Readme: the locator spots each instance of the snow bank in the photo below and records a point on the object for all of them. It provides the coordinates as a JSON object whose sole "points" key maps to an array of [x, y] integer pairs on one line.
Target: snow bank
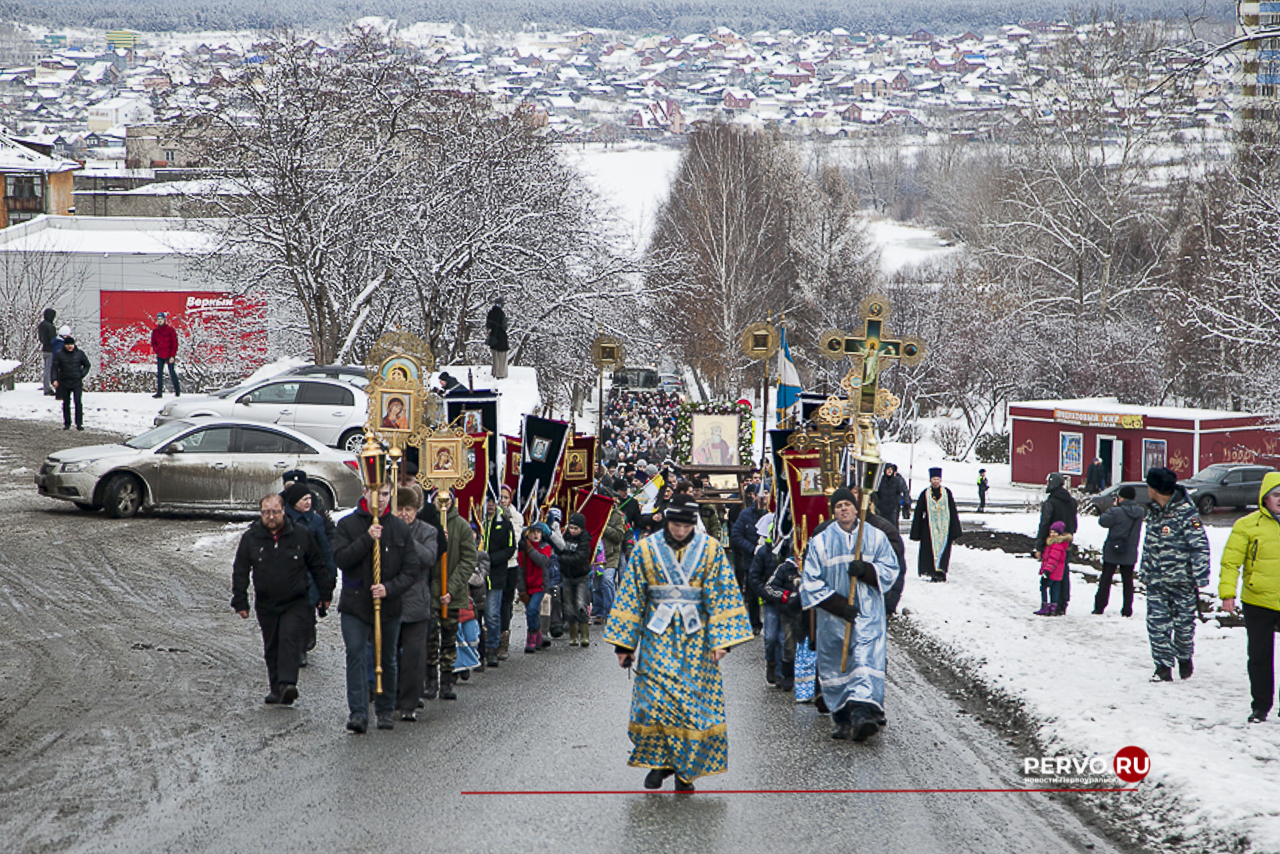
{"points": [[1084, 679]]}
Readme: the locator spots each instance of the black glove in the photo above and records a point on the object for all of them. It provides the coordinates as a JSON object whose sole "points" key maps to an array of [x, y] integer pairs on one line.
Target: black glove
{"points": [[850, 612], [322, 612], [861, 570]]}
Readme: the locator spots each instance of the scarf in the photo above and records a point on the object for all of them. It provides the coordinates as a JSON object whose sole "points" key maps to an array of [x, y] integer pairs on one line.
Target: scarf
{"points": [[939, 524]]}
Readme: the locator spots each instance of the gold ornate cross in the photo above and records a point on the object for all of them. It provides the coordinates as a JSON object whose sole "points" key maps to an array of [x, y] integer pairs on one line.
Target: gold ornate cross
{"points": [[870, 352]]}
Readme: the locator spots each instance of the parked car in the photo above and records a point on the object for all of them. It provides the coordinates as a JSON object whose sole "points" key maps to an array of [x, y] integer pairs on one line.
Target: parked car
{"points": [[353, 374], [331, 411], [197, 464], [1098, 503], [1225, 485], [637, 378]]}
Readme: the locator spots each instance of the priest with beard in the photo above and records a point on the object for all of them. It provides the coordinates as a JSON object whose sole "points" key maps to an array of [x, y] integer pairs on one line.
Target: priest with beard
{"points": [[935, 526], [676, 614]]}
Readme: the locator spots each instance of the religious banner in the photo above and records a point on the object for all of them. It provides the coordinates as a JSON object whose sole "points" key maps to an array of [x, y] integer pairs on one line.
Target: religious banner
{"points": [[714, 434], [542, 446], [511, 463], [596, 508], [475, 413], [576, 470], [777, 444], [807, 500], [470, 497]]}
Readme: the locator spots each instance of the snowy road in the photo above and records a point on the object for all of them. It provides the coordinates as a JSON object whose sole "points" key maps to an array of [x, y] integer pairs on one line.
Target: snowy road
{"points": [[131, 720]]}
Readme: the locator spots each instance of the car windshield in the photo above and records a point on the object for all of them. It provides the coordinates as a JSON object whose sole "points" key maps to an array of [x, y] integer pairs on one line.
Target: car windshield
{"points": [[157, 437], [1212, 473]]}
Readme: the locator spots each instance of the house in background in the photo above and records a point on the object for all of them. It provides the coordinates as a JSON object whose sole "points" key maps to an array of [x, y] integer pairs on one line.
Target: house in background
{"points": [[34, 182]]}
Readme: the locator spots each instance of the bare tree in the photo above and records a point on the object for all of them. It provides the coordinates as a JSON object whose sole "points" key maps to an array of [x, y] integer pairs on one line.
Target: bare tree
{"points": [[30, 281]]}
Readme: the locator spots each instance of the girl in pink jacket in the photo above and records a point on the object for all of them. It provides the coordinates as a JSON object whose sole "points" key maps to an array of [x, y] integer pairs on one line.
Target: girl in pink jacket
{"points": [[1052, 564]]}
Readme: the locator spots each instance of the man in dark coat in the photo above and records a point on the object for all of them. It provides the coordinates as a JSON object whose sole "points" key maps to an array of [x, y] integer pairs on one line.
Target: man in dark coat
{"points": [[357, 536], [283, 559], [936, 525], [498, 538], [744, 539], [46, 332], [1123, 521], [889, 495], [1095, 477], [418, 608], [495, 323], [70, 367], [1058, 506]]}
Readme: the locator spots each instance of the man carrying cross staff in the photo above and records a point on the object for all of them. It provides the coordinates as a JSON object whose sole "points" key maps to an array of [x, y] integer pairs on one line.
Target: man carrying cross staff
{"points": [[846, 569]]}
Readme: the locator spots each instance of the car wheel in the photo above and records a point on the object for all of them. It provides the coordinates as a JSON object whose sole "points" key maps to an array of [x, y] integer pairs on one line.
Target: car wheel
{"points": [[352, 441], [123, 496], [87, 507], [1205, 504]]}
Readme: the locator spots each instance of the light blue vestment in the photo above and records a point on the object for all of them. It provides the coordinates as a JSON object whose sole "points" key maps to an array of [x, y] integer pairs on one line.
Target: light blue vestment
{"points": [[826, 572]]}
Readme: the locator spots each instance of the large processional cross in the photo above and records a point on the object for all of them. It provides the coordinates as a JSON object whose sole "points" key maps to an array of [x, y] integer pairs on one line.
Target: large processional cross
{"points": [[872, 353]]}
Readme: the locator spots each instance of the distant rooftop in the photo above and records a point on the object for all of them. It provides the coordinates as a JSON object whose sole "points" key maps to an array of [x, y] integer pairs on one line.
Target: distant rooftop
{"points": [[15, 157], [106, 235]]}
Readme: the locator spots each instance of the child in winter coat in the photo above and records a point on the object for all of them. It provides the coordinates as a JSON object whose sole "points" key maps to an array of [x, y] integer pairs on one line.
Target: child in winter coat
{"points": [[1052, 564], [533, 557]]}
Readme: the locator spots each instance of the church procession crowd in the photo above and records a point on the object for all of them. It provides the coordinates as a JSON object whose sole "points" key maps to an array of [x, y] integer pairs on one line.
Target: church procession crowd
{"points": [[675, 585]]}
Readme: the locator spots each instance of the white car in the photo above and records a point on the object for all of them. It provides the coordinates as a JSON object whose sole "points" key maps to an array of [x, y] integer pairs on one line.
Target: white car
{"points": [[331, 411], [197, 464]]}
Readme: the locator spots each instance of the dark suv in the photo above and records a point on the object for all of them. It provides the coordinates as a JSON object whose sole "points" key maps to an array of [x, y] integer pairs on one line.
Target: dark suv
{"points": [[1225, 485]]}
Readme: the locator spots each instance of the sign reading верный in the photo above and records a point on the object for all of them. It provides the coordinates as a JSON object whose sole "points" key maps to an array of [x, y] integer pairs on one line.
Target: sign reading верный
{"points": [[1098, 419]]}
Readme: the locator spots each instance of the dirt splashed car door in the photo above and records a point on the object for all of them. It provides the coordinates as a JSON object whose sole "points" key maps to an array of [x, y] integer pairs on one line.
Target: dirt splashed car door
{"points": [[261, 458], [194, 469]]}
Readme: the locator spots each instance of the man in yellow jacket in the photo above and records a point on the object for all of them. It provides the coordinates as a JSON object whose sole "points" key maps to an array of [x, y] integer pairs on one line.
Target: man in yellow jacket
{"points": [[1255, 545]]}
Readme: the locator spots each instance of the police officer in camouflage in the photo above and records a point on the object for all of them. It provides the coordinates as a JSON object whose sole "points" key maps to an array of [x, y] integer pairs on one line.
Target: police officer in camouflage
{"points": [[1175, 564]]}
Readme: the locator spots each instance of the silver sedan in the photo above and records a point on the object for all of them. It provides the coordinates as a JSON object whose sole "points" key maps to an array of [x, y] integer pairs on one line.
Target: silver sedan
{"points": [[197, 464]]}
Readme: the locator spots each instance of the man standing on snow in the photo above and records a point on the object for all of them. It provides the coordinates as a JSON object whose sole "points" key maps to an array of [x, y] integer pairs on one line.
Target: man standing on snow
{"points": [[164, 343], [496, 324], [936, 525], [1175, 564], [46, 332]]}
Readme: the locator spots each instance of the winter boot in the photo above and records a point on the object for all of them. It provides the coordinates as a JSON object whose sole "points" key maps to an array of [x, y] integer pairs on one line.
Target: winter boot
{"points": [[1044, 610], [433, 683], [531, 643], [1184, 668], [504, 643], [573, 634], [787, 676], [1162, 674], [584, 635], [491, 657], [542, 640], [771, 673], [446, 685]]}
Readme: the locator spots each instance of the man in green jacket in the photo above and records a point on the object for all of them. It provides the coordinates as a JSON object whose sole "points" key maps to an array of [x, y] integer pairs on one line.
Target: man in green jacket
{"points": [[442, 642], [1255, 545]]}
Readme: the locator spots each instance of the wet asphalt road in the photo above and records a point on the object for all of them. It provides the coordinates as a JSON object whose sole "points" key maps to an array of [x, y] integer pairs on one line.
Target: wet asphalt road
{"points": [[131, 720]]}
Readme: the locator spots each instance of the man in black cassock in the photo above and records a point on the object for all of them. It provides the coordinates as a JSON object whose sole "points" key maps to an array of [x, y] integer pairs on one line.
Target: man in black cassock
{"points": [[936, 525], [496, 324]]}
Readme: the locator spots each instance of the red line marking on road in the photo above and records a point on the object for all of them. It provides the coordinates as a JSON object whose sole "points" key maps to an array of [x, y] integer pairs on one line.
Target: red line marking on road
{"points": [[799, 791]]}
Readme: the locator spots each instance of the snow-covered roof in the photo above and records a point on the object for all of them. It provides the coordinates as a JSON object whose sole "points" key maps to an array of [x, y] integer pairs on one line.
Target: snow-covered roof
{"points": [[18, 158], [106, 235], [1112, 406]]}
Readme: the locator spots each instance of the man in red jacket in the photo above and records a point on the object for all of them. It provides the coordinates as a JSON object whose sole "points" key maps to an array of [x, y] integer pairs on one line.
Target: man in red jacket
{"points": [[164, 341]]}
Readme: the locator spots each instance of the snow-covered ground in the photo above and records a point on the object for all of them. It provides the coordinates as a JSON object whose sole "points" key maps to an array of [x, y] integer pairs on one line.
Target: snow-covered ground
{"points": [[633, 178]]}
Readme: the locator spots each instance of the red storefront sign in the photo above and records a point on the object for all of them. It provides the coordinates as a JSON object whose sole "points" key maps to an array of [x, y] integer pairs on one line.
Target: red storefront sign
{"points": [[217, 325]]}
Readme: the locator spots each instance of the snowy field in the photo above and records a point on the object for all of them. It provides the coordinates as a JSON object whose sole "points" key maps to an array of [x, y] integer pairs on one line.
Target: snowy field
{"points": [[1081, 678]]}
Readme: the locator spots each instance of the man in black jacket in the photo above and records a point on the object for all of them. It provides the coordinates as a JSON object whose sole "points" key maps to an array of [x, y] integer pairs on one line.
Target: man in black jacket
{"points": [[1058, 506], [744, 538], [499, 540], [46, 332], [281, 557], [70, 367], [890, 495], [357, 536], [574, 552]]}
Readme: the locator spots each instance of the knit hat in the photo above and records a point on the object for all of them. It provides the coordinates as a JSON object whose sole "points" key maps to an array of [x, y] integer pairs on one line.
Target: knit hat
{"points": [[682, 508], [844, 493], [1128, 493], [1054, 481], [578, 519], [1058, 527], [295, 493], [160, 314], [64, 330], [68, 340], [935, 472], [1162, 480]]}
